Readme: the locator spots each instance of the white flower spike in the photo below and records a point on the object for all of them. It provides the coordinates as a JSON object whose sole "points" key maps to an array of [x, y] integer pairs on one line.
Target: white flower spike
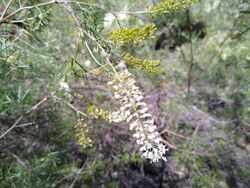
{"points": [[135, 112]]}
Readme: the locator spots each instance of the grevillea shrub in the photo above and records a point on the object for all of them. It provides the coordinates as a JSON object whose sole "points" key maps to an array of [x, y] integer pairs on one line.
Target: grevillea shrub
{"points": [[107, 49]]}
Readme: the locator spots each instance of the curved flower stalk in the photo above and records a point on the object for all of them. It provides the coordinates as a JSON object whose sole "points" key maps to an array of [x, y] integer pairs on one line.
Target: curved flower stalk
{"points": [[169, 5], [135, 112]]}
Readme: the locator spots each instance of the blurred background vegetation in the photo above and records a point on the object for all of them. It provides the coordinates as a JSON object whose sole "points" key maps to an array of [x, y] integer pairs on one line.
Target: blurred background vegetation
{"points": [[49, 82]]}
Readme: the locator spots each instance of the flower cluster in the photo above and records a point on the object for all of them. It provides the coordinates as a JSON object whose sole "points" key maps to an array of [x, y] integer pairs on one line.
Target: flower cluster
{"points": [[147, 65], [169, 5], [132, 35], [135, 112], [98, 113], [82, 137]]}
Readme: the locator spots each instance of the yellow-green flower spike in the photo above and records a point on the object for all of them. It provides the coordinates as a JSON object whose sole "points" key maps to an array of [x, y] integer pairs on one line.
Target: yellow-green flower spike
{"points": [[98, 113], [167, 6], [147, 65], [132, 35]]}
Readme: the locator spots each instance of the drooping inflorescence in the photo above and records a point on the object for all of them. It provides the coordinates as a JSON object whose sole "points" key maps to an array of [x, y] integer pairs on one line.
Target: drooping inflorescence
{"points": [[147, 65], [167, 6], [132, 35], [82, 135], [135, 112]]}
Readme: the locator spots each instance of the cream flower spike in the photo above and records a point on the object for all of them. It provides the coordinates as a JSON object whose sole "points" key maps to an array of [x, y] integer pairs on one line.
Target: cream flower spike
{"points": [[134, 111]]}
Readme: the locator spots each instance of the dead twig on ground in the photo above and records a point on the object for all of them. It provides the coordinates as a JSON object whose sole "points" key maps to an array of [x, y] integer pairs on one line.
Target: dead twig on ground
{"points": [[170, 145], [173, 133]]}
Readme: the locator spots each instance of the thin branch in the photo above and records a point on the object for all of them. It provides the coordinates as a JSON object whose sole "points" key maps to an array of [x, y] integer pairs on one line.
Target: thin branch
{"points": [[26, 124], [83, 32], [4, 19], [191, 62], [70, 105], [135, 12], [22, 116], [78, 174], [170, 145], [18, 159], [196, 130], [212, 119], [173, 133], [6, 9], [92, 55]]}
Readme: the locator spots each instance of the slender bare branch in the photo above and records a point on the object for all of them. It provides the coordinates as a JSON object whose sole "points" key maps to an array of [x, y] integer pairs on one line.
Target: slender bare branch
{"points": [[78, 174], [70, 105], [22, 116], [170, 145], [4, 19], [6, 9], [18, 159], [173, 133]]}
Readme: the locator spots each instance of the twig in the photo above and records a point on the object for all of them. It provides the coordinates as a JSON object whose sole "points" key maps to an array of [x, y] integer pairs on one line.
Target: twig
{"points": [[78, 174], [4, 19], [18, 159], [22, 116], [196, 130], [191, 62], [26, 124], [173, 133], [82, 32], [170, 145], [70, 105], [208, 116], [6, 9]]}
